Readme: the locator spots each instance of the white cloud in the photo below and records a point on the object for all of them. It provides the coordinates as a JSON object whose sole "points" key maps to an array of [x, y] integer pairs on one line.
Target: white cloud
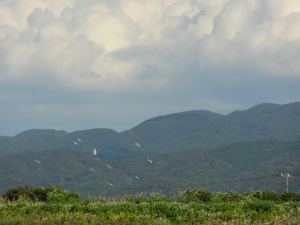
{"points": [[65, 39]]}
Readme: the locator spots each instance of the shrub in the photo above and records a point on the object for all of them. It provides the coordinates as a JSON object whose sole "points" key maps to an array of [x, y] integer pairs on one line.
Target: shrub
{"points": [[270, 195], [51, 194], [290, 196], [231, 197], [15, 193], [260, 206], [57, 195], [202, 195], [159, 198]]}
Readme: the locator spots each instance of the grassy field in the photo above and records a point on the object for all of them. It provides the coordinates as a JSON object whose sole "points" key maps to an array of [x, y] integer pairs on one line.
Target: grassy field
{"points": [[191, 207]]}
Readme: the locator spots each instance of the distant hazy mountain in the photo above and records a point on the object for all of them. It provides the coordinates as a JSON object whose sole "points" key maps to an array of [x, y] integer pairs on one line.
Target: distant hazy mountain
{"points": [[168, 173], [170, 133]]}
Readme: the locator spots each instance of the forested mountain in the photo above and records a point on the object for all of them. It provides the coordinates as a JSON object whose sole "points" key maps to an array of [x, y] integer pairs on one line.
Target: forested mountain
{"points": [[34, 133], [170, 133], [167, 174]]}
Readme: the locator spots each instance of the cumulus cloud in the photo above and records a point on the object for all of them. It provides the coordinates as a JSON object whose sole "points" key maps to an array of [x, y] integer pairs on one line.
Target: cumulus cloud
{"points": [[111, 44], [126, 46]]}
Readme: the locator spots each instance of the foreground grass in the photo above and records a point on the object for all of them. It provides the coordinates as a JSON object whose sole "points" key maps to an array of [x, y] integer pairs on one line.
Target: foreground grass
{"points": [[129, 218], [54, 206], [165, 212]]}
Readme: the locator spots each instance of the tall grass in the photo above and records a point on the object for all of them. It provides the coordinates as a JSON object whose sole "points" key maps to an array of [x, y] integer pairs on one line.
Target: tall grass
{"points": [[192, 207]]}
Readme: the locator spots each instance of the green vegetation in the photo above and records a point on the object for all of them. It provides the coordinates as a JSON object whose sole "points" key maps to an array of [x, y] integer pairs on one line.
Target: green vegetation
{"points": [[167, 174], [192, 207], [247, 155], [51, 194]]}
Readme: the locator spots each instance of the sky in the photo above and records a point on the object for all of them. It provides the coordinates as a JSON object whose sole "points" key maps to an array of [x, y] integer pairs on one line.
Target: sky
{"points": [[82, 64]]}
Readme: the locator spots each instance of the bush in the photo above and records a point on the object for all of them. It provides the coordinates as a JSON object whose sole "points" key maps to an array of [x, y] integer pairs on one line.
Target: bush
{"points": [[260, 206], [289, 196], [231, 197], [202, 195], [15, 193], [160, 198], [270, 195], [51, 194], [57, 195]]}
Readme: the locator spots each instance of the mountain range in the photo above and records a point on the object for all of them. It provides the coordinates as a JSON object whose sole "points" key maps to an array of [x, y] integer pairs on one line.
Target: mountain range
{"points": [[194, 149]]}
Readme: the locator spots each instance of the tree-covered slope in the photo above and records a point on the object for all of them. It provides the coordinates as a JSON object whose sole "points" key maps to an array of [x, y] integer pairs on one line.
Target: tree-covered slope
{"points": [[267, 120], [210, 130], [248, 155], [68, 168], [168, 173]]}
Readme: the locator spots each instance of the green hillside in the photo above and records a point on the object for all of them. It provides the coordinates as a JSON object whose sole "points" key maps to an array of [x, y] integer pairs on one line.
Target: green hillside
{"points": [[270, 120], [170, 133], [167, 174], [33, 133], [67, 168], [248, 155], [210, 130]]}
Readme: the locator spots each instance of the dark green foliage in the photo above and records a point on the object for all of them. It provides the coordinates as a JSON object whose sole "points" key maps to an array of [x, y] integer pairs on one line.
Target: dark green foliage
{"points": [[51, 194], [201, 195], [229, 197], [289, 196], [169, 173], [266, 196], [14, 193], [260, 206], [57, 195], [160, 198], [269, 195], [247, 155]]}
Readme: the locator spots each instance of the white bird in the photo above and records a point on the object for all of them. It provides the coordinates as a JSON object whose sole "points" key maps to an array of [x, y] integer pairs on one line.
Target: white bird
{"points": [[137, 144], [110, 184], [97, 158], [37, 161], [92, 170], [75, 143], [136, 177], [108, 166], [149, 160], [79, 140]]}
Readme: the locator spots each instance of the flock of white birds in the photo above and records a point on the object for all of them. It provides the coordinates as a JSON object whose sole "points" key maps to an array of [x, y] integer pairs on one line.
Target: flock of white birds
{"points": [[137, 144]]}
